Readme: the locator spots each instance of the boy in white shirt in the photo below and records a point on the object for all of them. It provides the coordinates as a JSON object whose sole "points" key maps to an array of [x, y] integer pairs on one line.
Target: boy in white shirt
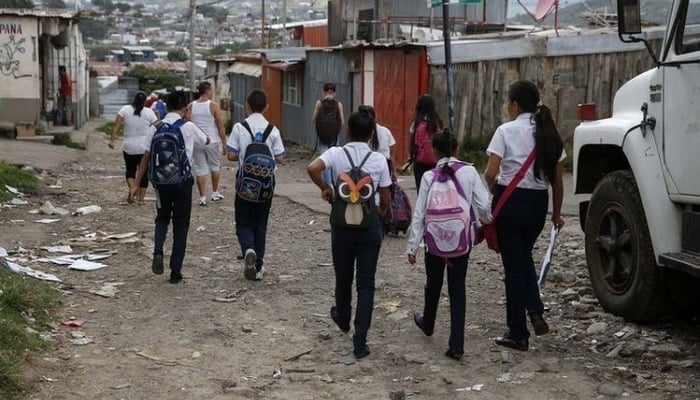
{"points": [[252, 214]]}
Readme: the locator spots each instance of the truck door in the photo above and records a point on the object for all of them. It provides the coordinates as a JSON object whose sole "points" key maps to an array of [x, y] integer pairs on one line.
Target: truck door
{"points": [[681, 97]]}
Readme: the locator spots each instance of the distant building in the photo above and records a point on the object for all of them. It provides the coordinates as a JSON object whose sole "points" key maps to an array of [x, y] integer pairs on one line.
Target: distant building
{"points": [[134, 54]]}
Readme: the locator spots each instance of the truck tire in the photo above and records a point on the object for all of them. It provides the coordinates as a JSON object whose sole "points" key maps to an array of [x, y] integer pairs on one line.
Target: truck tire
{"points": [[621, 262]]}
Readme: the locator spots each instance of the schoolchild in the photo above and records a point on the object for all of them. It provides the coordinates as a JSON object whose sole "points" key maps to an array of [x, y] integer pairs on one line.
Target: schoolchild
{"points": [[359, 198], [253, 193], [467, 187], [173, 202], [426, 122], [531, 137]]}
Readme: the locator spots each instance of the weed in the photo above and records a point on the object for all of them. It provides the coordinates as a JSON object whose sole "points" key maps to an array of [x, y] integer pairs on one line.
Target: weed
{"points": [[26, 306], [65, 140], [474, 151], [107, 129], [15, 177]]}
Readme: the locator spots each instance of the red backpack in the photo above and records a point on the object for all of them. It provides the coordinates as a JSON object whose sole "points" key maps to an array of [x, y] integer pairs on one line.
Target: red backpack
{"points": [[423, 142]]}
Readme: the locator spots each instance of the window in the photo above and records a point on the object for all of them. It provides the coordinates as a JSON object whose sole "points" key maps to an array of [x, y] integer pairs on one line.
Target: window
{"points": [[690, 18], [292, 88]]}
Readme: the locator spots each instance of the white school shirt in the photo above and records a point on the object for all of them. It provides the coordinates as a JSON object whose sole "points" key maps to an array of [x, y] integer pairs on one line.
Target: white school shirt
{"points": [[192, 135], [336, 160], [473, 187], [513, 142], [202, 117], [386, 140], [135, 128], [240, 137]]}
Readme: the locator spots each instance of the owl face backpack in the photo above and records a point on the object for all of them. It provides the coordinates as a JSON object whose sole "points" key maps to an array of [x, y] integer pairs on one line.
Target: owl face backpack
{"points": [[353, 204]]}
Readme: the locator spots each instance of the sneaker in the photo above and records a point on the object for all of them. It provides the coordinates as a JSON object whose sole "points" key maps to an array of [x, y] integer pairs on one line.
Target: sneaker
{"points": [[216, 196], [361, 351], [249, 271], [175, 278], [259, 274], [507, 341], [157, 265], [203, 201]]}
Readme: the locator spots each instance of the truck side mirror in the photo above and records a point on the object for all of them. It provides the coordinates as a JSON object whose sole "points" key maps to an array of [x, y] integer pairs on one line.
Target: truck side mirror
{"points": [[629, 21]]}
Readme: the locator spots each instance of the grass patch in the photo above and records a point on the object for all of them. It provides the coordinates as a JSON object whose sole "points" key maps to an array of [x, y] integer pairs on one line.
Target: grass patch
{"points": [[18, 178], [27, 305], [107, 129], [65, 140], [474, 151]]}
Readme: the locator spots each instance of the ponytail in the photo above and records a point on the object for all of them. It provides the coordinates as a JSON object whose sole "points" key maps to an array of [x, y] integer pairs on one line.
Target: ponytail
{"points": [[138, 103]]}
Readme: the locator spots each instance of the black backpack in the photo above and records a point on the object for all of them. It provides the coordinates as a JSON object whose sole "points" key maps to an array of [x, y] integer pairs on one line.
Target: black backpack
{"points": [[169, 167], [256, 177], [328, 122], [353, 201]]}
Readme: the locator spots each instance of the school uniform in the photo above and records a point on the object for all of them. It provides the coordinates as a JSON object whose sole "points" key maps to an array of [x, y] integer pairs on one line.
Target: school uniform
{"points": [[520, 221], [478, 198], [356, 247], [175, 204], [252, 217]]}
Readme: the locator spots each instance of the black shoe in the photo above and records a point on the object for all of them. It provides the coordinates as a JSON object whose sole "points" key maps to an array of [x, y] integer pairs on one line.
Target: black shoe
{"points": [[345, 327], [454, 354], [157, 265], [175, 278], [539, 324], [418, 319], [361, 351], [515, 344]]}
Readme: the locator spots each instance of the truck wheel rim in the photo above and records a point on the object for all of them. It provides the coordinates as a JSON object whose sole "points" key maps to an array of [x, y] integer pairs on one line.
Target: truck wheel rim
{"points": [[614, 244]]}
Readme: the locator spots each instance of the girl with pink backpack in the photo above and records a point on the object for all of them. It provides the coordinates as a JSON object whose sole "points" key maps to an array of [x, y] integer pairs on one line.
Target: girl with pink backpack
{"points": [[445, 219], [425, 124]]}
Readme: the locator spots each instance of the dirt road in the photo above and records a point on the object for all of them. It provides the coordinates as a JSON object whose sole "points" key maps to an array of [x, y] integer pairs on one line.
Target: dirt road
{"points": [[218, 336]]}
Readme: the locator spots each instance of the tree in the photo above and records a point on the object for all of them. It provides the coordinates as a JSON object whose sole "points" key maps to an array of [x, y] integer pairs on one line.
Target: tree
{"points": [[108, 6], [55, 4], [95, 29], [16, 4], [229, 48], [177, 55], [123, 7], [153, 79], [218, 14]]}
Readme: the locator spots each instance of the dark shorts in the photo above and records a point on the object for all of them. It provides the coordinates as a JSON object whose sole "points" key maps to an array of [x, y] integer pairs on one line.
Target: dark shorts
{"points": [[132, 162]]}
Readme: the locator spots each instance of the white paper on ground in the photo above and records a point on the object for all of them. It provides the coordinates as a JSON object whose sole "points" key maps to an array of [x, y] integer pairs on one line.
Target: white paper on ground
{"points": [[121, 235], [87, 210], [18, 269], [18, 202], [47, 220], [12, 190], [3, 252], [85, 265], [58, 249]]}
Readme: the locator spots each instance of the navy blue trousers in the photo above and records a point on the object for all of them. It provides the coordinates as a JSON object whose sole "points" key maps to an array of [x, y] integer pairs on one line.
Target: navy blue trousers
{"points": [[175, 205], [518, 226], [355, 253], [251, 227], [456, 276]]}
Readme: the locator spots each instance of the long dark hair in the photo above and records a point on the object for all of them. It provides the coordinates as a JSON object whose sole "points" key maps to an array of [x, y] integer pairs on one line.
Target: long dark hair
{"points": [[369, 110], [425, 110], [548, 143], [138, 103], [445, 144], [361, 125]]}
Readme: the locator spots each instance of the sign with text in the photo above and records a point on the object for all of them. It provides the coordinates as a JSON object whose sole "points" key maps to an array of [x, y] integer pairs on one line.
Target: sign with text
{"points": [[438, 3]]}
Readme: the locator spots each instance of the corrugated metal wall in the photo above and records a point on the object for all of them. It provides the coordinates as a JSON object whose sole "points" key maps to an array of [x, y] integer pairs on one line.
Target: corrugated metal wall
{"points": [[241, 85], [316, 36]]}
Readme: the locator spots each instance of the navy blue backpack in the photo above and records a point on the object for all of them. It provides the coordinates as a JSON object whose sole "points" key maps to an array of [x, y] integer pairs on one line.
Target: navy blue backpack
{"points": [[169, 167]]}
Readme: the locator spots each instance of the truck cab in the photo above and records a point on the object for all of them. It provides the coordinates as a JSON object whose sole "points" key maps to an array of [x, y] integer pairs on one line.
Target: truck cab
{"points": [[637, 177]]}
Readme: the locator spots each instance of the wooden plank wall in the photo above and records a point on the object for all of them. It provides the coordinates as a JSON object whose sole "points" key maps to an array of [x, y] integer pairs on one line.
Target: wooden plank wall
{"points": [[564, 82]]}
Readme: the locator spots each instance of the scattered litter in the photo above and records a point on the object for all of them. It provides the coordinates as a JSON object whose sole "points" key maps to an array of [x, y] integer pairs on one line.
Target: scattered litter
{"points": [[50, 209], [81, 341], [34, 211], [161, 361], [121, 236], [312, 222], [17, 221], [474, 388], [222, 247], [13, 190], [122, 386], [323, 264], [47, 379], [58, 249], [73, 323], [18, 269], [97, 257], [389, 306], [57, 185], [3, 252], [87, 210], [297, 356], [277, 374], [47, 221], [224, 299], [18, 202], [201, 228], [85, 265], [196, 354], [108, 290]]}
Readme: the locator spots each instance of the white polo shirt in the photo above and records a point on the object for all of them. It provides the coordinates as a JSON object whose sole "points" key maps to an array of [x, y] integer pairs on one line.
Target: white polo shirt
{"points": [[386, 140], [136, 127], [514, 141], [240, 137], [190, 133], [336, 160]]}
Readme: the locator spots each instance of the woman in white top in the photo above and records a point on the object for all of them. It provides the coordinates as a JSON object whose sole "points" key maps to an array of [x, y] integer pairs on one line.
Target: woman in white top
{"points": [[137, 120], [382, 140], [477, 197], [523, 215]]}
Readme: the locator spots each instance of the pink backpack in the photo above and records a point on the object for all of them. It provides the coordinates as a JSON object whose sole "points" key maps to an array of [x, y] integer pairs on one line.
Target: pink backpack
{"points": [[449, 219], [423, 140]]}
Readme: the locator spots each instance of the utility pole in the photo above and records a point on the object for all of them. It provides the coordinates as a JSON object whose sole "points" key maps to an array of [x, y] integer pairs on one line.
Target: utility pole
{"points": [[448, 64], [193, 10], [284, 23], [262, 35]]}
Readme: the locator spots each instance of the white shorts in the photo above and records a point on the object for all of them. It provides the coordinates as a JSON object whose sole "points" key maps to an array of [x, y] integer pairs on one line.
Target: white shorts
{"points": [[206, 159]]}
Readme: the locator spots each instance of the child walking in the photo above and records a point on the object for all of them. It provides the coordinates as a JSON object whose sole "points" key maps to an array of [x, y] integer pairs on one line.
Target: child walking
{"points": [[473, 193], [358, 174], [257, 146]]}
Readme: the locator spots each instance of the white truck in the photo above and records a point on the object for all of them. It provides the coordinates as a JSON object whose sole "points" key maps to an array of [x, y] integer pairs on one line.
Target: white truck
{"points": [[637, 177]]}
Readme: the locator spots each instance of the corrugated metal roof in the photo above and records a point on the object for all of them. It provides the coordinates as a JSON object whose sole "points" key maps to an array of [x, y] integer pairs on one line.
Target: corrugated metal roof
{"points": [[104, 68], [138, 48], [40, 13], [248, 69], [175, 66], [316, 22], [287, 54]]}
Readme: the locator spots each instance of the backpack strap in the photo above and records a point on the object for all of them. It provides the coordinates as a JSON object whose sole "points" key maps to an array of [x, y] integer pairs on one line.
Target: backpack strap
{"points": [[352, 164], [514, 183], [266, 134], [247, 127]]}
